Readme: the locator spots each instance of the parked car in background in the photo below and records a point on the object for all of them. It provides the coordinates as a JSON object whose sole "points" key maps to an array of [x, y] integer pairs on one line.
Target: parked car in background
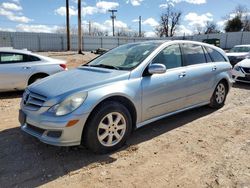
{"points": [[100, 103], [238, 53], [20, 68], [241, 71]]}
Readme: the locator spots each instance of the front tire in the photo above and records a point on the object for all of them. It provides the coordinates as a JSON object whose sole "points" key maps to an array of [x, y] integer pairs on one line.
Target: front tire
{"points": [[108, 128], [219, 96]]}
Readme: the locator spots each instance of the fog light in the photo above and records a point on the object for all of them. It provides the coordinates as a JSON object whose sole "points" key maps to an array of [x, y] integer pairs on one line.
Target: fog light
{"points": [[54, 134], [72, 123]]}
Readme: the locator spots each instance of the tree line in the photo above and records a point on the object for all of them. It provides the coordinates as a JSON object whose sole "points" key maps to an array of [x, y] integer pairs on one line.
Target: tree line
{"points": [[237, 20]]}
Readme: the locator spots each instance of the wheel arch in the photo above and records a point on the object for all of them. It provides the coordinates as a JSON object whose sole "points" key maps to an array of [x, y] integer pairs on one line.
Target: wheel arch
{"points": [[224, 80], [117, 98], [37, 75]]}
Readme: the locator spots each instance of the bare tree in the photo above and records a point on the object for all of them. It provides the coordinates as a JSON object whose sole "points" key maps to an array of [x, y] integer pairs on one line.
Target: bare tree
{"points": [[128, 32], [211, 27], [168, 23], [198, 28], [62, 30], [95, 31]]}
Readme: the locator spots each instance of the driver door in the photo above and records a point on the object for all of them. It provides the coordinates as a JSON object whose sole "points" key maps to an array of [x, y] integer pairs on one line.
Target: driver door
{"points": [[165, 93]]}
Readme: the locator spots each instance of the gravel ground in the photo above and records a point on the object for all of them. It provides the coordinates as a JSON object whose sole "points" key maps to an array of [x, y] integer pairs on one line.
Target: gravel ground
{"points": [[197, 148]]}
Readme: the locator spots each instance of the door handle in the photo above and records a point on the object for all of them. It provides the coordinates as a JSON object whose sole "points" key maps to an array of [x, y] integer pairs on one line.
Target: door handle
{"points": [[26, 68], [183, 74], [214, 68]]}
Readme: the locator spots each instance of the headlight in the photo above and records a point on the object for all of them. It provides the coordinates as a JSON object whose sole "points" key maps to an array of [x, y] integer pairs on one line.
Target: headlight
{"points": [[237, 67], [70, 104]]}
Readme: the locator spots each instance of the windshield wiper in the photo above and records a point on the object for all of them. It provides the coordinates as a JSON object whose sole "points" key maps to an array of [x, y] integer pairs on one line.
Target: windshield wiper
{"points": [[104, 66]]}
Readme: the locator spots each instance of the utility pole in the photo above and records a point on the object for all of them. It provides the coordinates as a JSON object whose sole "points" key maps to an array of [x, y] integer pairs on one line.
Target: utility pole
{"points": [[67, 25], [79, 27], [113, 20], [89, 28], [139, 26]]}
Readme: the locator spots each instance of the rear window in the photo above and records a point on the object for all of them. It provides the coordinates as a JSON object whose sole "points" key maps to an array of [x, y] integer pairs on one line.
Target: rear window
{"points": [[215, 55]]}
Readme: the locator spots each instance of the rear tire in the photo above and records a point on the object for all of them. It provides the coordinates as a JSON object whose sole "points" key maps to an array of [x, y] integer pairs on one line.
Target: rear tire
{"points": [[108, 128], [219, 96], [36, 78]]}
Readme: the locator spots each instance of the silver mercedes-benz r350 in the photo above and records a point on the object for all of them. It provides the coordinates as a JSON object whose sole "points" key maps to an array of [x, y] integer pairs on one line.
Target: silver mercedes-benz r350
{"points": [[100, 103]]}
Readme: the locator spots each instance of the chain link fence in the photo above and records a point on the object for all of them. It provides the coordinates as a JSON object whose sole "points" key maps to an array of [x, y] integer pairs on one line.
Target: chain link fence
{"points": [[57, 42]]}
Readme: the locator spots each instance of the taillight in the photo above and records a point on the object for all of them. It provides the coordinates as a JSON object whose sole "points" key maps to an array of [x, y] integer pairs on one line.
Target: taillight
{"points": [[64, 66]]}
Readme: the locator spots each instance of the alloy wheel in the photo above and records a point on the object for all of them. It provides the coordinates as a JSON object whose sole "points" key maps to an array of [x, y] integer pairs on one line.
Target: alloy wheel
{"points": [[111, 129], [220, 93]]}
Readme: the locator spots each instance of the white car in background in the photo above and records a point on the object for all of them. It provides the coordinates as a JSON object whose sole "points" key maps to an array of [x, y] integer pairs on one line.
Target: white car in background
{"points": [[20, 68], [238, 53], [241, 71]]}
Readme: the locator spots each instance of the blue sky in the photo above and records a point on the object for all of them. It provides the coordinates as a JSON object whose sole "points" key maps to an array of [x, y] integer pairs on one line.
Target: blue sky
{"points": [[49, 15]]}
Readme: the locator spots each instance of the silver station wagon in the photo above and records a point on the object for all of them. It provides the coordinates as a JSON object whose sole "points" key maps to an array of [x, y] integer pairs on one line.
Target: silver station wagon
{"points": [[100, 103]]}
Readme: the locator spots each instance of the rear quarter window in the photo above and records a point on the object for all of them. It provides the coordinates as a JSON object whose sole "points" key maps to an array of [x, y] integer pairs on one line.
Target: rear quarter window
{"points": [[29, 58], [215, 55]]}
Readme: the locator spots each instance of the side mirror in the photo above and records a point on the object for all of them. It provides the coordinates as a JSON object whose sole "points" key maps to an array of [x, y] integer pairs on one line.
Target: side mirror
{"points": [[157, 69]]}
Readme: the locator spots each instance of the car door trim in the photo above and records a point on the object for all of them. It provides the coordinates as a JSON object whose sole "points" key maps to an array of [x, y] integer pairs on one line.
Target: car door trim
{"points": [[139, 125]]}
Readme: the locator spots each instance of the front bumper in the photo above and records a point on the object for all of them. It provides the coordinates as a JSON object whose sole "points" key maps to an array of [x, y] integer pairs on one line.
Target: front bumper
{"points": [[240, 76], [54, 132]]}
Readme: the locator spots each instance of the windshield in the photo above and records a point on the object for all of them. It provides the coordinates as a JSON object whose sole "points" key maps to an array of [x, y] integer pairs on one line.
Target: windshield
{"points": [[125, 57], [240, 49]]}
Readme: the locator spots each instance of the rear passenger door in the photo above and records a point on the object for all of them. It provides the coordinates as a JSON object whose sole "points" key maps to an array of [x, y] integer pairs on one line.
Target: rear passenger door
{"points": [[200, 73], [220, 63]]}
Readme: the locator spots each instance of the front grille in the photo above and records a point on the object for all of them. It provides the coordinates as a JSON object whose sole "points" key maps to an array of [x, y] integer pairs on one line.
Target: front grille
{"points": [[37, 130], [33, 101], [246, 70], [247, 78]]}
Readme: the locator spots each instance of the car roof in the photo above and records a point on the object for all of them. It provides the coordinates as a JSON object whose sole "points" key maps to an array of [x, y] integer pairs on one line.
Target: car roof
{"points": [[12, 50], [243, 45]]}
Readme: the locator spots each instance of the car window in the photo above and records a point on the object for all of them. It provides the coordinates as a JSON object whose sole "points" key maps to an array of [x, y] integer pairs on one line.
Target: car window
{"points": [[215, 55], [209, 59], [193, 54], [126, 57], [29, 58], [240, 49], [16, 58], [11, 58], [170, 57]]}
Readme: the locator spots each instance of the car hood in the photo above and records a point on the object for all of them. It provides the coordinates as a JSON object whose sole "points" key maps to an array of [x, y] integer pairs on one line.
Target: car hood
{"points": [[244, 63], [80, 79], [237, 54]]}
